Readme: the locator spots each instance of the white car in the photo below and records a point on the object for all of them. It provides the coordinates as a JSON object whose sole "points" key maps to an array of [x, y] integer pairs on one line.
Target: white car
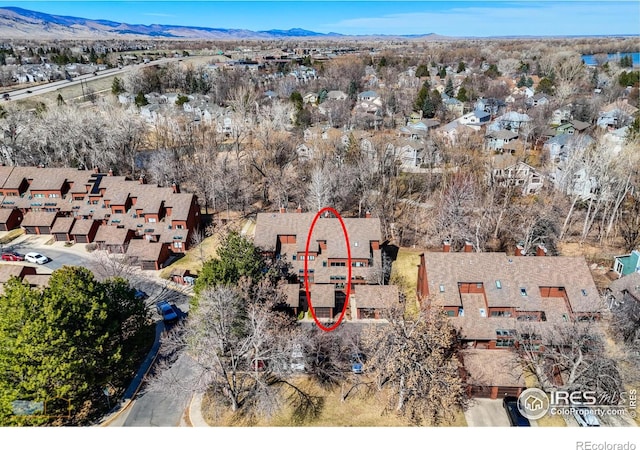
{"points": [[37, 258]]}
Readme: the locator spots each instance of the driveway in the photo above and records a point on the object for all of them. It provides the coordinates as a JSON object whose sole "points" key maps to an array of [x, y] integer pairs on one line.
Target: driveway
{"points": [[485, 412]]}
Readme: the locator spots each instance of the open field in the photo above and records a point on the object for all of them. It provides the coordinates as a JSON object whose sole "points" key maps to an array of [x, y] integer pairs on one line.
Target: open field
{"points": [[72, 94]]}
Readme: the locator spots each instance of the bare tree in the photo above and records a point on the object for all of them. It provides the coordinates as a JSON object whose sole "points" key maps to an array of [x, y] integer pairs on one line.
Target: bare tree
{"points": [[415, 360], [241, 353]]}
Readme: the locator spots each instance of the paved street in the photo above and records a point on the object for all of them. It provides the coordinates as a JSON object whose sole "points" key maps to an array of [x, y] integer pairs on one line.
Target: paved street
{"points": [[161, 408]]}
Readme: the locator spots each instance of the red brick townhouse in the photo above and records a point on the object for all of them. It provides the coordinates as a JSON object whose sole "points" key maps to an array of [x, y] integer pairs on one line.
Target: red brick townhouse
{"points": [[76, 205], [496, 300], [284, 235]]}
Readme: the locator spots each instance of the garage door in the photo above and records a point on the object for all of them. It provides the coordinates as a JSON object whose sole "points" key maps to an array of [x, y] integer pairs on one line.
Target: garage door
{"points": [[481, 391], [148, 265], [81, 239], [323, 313], [45, 230]]}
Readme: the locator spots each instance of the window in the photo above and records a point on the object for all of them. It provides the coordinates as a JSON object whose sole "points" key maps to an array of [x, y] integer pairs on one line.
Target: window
{"points": [[523, 292], [152, 220], [502, 343], [478, 285], [324, 264], [442, 288], [451, 313], [483, 312], [53, 195], [500, 313], [584, 292], [312, 258], [338, 264], [498, 284], [358, 264], [460, 312], [179, 227], [38, 195], [294, 257], [177, 244]]}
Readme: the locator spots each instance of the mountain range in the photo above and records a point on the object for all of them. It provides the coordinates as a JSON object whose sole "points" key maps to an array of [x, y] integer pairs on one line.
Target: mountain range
{"points": [[16, 23]]}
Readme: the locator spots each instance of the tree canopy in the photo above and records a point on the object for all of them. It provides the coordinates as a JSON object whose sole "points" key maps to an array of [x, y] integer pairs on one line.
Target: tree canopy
{"points": [[237, 258], [68, 342]]}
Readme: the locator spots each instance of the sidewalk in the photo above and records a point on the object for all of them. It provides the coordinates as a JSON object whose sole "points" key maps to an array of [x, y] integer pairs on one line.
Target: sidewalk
{"points": [[194, 412], [136, 383]]}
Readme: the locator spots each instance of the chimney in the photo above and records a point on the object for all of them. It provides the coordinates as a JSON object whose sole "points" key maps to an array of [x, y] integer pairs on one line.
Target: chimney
{"points": [[541, 250], [299, 210], [142, 179], [446, 246], [468, 247], [519, 250], [175, 187], [110, 173], [367, 215], [283, 210]]}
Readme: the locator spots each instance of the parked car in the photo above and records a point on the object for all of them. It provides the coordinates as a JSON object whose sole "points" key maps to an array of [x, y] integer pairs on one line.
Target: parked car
{"points": [[12, 256], [141, 295], [6, 96], [167, 311], [516, 419], [357, 363], [37, 258], [585, 417], [297, 359]]}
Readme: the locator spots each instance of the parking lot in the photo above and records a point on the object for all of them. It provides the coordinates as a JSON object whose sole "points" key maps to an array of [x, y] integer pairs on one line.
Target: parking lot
{"points": [[60, 255]]}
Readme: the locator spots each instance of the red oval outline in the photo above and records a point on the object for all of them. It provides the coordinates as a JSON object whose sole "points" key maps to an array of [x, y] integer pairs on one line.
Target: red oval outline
{"points": [[306, 265]]}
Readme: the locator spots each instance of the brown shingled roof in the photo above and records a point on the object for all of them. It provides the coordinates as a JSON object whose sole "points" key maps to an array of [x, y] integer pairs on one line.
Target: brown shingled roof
{"points": [[143, 250], [82, 226], [111, 235], [38, 219], [360, 232], [375, 296], [63, 225], [493, 368]]}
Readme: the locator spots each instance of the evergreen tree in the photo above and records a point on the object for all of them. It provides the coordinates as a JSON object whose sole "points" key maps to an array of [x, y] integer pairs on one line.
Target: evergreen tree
{"points": [[117, 86], [545, 86], [462, 94], [422, 94], [461, 67], [422, 71], [522, 81], [449, 90], [237, 258]]}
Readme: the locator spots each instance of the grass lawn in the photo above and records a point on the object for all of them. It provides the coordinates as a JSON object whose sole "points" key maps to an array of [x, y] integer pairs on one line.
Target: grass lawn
{"points": [[404, 273], [362, 410], [11, 235], [193, 258]]}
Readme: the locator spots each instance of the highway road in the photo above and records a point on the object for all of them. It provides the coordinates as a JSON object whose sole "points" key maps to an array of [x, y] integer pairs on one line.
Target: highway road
{"points": [[25, 93]]}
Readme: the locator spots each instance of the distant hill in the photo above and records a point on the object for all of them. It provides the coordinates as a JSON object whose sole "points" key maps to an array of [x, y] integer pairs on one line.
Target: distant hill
{"points": [[22, 23]]}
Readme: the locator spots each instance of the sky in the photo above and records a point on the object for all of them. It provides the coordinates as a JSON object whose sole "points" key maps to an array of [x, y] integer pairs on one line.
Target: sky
{"points": [[448, 18]]}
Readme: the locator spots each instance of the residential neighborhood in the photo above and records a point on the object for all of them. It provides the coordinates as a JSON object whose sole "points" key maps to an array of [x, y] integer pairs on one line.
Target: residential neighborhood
{"points": [[317, 230]]}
